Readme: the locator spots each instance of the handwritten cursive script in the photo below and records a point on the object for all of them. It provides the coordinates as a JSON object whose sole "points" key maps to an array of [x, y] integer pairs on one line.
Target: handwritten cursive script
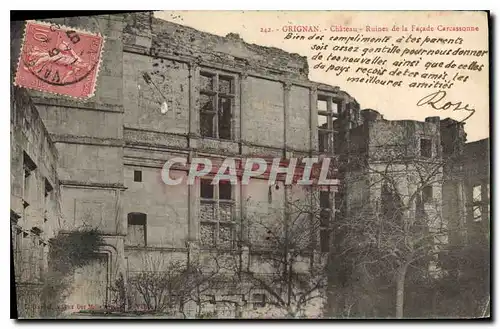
{"points": [[437, 102]]}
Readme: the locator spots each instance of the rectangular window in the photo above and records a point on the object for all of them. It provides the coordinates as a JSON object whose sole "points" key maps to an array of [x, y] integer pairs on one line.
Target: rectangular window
{"points": [[335, 108], [224, 118], [477, 203], [26, 187], [207, 115], [324, 133], [476, 193], [206, 189], [206, 82], [28, 163], [328, 111], [325, 217], [48, 189], [225, 85], [322, 104], [258, 300], [136, 232], [137, 176], [216, 105], [427, 194], [225, 191], [29, 167], [476, 212], [426, 148], [217, 226]]}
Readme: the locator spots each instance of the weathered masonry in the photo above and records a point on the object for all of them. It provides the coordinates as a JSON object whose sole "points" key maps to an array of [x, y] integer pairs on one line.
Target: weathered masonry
{"points": [[35, 213], [165, 90]]}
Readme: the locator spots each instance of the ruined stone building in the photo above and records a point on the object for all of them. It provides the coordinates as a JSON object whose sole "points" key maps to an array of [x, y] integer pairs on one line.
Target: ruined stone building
{"points": [[402, 156], [35, 208], [165, 90], [477, 189], [424, 168]]}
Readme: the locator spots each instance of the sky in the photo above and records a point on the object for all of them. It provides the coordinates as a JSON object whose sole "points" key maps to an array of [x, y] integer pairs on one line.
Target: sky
{"points": [[392, 103]]}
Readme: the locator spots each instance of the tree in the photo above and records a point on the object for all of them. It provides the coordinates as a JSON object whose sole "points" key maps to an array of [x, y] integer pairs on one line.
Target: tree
{"points": [[205, 274], [158, 283], [286, 263], [393, 216], [166, 286]]}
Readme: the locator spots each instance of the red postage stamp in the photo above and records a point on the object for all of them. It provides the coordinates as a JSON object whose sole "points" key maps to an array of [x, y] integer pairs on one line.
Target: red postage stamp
{"points": [[59, 59]]}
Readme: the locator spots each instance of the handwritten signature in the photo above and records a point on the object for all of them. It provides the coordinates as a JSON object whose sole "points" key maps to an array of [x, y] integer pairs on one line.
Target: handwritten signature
{"points": [[435, 100]]}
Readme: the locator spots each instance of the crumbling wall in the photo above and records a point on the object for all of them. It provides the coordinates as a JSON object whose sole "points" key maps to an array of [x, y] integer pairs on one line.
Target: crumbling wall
{"points": [[29, 135], [231, 50], [35, 200]]}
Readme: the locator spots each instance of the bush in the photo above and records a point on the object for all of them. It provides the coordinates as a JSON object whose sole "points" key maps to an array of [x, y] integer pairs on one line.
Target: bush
{"points": [[74, 249], [68, 251]]}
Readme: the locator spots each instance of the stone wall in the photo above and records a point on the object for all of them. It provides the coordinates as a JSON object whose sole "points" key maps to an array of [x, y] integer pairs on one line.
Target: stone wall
{"points": [[148, 66], [35, 210], [88, 135]]}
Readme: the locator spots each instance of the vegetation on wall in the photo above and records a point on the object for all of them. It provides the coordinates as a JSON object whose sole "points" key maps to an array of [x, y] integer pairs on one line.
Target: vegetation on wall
{"points": [[68, 251]]}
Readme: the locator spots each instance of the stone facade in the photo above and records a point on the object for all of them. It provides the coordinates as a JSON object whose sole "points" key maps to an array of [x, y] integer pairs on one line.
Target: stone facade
{"points": [[428, 164], [112, 147], [35, 213], [477, 190], [408, 151], [165, 90], [272, 114]]}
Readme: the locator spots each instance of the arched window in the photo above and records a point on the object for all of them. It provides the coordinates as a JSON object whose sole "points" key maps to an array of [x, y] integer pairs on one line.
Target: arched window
{"points": [[137, 229]]}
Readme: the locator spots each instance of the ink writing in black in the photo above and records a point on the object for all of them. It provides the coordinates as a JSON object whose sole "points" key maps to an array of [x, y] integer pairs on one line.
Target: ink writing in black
{"points": [[438, 102]]}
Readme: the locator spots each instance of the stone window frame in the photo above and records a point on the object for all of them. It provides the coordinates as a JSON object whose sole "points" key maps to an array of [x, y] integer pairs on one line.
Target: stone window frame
{"points": [[137, 217], [137, 175], [332, 114], [215, 93], [425, 152], [216, 221]]}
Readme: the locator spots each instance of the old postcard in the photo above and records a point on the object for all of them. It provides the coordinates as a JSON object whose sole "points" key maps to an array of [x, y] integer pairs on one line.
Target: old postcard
{"points": [[251, 165]]}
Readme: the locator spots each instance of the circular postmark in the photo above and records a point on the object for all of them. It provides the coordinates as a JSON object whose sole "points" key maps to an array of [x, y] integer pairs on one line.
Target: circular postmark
{"points": [[59, 56]]}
